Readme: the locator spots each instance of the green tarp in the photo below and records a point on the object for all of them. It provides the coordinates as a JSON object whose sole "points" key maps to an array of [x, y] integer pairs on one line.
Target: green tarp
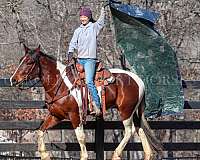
{"points": [[152, 58]]}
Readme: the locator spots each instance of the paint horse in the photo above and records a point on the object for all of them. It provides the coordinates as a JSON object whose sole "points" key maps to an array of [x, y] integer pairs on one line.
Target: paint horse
{"points": [[126, 94]]}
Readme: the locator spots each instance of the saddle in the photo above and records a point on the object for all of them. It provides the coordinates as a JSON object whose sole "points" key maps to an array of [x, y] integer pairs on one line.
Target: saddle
{"points": [[103, 77]]}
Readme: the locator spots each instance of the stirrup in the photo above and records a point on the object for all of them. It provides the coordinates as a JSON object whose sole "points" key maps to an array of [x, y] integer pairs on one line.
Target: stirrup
{"points": [[96, 111]]}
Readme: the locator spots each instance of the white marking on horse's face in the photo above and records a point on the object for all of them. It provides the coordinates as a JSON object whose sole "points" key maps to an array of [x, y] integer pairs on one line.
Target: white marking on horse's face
{"points": [[16, 71]]}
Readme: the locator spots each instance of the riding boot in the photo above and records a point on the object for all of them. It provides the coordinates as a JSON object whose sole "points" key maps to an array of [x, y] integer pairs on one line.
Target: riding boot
{"points": [[96, 110]]}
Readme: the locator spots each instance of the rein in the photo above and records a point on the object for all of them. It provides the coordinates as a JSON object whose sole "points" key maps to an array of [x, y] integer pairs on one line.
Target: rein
{"points": [[61, 96], [53, 99], [57, 85], [26, 88]]}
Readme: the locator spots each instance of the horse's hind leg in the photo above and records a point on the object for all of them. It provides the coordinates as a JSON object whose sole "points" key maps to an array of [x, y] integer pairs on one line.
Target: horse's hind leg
{"points": [[148, 151], [129, 129], [149, 142], [48, 123]]}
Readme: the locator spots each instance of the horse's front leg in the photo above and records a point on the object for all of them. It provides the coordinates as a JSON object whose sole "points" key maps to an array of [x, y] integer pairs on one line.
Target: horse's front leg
{"points": [[48, 123], [81, 140], [75, 120]]}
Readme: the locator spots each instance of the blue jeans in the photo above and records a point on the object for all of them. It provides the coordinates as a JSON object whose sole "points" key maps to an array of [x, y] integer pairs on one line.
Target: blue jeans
{"points": [[89, 65]]}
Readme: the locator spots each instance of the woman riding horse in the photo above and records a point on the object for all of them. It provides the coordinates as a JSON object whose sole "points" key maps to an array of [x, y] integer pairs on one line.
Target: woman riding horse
{"points": [[85, 41], [126, 94]]}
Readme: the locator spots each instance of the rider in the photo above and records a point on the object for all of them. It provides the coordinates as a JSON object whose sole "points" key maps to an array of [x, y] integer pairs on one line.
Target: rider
{"points": [[85, 41]]}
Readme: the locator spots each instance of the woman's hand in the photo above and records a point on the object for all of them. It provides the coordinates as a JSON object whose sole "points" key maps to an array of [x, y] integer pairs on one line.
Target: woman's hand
{"points": [[69, 57], [105, 4], [109, 2]]}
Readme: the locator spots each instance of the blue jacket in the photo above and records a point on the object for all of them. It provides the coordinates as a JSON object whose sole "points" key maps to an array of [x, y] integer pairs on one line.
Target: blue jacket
{"points": [[85, 38]]}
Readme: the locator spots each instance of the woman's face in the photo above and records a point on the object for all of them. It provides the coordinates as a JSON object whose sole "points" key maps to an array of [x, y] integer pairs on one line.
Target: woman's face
{"points": [[84, 20]]}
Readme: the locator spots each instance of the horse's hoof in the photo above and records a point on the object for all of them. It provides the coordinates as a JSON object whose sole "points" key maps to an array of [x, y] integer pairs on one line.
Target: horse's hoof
{"points": [[149, 157], [116, 157], [46, 158], [84, 157]]}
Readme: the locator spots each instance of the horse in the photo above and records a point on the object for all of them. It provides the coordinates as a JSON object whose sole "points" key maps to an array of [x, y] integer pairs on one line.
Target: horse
{"points": [[126, 94]]}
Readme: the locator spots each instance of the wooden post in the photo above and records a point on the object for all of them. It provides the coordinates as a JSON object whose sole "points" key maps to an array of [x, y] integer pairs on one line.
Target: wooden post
{"points": [[170, 153], [99, 138]]}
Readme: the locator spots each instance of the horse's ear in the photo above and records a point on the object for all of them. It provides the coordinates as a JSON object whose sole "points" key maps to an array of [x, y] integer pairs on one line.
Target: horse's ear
{"points": [[25, 48], [38, 49]]}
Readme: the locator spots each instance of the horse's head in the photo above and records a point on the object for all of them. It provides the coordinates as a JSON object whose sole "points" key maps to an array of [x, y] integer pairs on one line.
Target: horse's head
{"points": [[29, 67]]}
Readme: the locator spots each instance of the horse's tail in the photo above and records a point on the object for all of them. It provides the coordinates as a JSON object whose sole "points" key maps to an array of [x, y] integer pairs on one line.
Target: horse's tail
{"points": [[154, 143]]}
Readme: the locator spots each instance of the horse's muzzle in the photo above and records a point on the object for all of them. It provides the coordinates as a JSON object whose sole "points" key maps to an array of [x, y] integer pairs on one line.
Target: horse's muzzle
{"points": [[13, 82]]}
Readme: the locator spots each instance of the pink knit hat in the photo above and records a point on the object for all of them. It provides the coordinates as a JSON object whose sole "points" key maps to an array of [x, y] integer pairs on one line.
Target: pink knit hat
{"points": [[85, 11]]}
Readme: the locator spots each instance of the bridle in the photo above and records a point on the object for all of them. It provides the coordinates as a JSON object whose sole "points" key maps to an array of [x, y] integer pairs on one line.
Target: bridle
{"points": [[36, 62]]}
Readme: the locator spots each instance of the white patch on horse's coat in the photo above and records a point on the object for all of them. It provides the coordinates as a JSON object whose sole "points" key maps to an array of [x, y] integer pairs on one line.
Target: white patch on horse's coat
{"points": [[16, 71], [128, 123], [81, 139], [61, 67], [41, 145], [75, 92], [145, 144], [110, 80], [135, 77], [99, 89], [128, 132]]}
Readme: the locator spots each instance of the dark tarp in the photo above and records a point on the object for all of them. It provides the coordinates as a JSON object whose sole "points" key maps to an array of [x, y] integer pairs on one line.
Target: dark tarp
{"points": [[151, 57], [143, 15]]}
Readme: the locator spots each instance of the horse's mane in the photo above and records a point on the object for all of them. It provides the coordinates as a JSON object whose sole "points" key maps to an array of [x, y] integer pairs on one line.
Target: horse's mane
{"points": [[49, 56]]}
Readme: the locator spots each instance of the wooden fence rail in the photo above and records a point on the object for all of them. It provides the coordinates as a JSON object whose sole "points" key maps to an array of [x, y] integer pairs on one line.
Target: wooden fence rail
{"points": [[32, 147], [99, 146], [11, 104], [156, 125], [185, 83], [5, 104]]}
